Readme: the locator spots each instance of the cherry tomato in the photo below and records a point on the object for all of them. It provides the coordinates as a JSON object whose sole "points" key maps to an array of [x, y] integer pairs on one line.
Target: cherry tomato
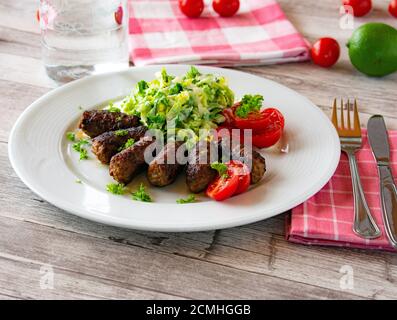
{"points": [[226, 8], [222, 188], [393, 8], [260, 120], [325, 52], [118, 15], [191, 8], [243, 173], [267, 137], [360, 7]]}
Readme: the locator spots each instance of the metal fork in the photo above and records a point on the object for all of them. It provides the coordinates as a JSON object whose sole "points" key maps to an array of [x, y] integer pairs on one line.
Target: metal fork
{"points": [[350, 138]]}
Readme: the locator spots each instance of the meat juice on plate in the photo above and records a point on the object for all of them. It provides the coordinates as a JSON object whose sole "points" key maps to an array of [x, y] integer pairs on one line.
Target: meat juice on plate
{"points": [[83, 37]]}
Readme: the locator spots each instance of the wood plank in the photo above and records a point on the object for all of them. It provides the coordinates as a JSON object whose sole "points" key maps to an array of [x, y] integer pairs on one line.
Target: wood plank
{"points": [[258, 248], [144, 268], [14, 99], [20, 43], [27, 281], [19, 15], [24, 70]]}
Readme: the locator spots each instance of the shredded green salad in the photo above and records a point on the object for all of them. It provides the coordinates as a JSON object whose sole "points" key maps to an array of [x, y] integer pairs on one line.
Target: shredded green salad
{"points": [[180, 105]]}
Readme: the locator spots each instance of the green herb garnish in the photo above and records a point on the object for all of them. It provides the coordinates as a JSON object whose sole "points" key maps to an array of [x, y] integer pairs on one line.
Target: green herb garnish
{"points": [[141, 194], [142, 86], [191, 198], [126, 145], [71, 136], [112, 108], [121, 133], [249, 103], [192, 73], [115, 188], [79, 147], [221, 168]]}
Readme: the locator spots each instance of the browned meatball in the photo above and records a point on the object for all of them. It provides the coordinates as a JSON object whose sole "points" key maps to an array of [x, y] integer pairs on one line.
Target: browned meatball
{"points": [[164, 169], [127, 163], [252, 158], [95, 122], [106, 145], [198, 170]]}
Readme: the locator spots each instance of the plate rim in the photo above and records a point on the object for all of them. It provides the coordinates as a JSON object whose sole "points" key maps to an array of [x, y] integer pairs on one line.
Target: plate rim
{"points": [[118, 222]]}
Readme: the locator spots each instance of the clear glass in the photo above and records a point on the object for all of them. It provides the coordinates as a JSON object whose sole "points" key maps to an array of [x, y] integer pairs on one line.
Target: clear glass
{"points": [[83, 37]]}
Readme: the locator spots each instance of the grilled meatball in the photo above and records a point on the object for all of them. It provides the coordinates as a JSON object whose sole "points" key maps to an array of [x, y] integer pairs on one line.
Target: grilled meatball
{"points": [[164, 169], [253, 159], [106, 145], [95, 122], [198, 171], [127, 163]]}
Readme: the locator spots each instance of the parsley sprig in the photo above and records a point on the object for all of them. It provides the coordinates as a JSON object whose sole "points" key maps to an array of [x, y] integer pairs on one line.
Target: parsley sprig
{"points": [[71, 136], [115, 188], [191, 198], [112, 108], [221, 168], [141, 194], [79, 147], [249, 103], [126, 145], [121, 132]]}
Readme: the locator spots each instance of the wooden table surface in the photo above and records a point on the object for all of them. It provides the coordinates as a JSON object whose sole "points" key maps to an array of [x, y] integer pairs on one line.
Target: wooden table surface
{"points": [[91, 261]]}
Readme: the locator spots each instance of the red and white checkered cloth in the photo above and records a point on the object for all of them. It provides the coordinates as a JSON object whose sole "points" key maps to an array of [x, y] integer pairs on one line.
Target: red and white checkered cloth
{"points": [[258, 34], [327, 217]]}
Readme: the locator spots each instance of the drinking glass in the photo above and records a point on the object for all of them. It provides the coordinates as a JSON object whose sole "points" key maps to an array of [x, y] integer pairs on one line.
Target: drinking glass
{"points": [[83, 37]]}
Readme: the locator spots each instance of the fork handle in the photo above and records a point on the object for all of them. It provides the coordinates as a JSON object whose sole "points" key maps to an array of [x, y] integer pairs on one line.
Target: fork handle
{"points": [[364, 224]]}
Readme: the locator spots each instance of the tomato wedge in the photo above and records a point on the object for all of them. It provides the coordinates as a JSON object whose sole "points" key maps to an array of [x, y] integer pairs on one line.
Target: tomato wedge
{"points": [[243, 173], [260, 120], [223, 187], [237, 181], [267, 137]]}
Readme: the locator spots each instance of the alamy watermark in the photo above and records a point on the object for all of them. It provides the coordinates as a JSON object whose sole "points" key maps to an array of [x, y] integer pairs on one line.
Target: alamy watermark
{"points": [[47, 277], [346, 282]]}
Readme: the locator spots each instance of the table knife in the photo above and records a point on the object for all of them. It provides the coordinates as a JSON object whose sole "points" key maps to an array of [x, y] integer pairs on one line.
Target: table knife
{"points": [[378, 139]]}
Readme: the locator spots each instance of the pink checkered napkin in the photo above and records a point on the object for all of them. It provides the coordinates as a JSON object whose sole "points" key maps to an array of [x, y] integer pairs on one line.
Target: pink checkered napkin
{"points": [[327, 217], [259, 34]]}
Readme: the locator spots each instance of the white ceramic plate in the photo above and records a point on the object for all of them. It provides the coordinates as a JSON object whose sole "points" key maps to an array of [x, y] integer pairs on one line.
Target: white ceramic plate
{"points": [[43, 159]]}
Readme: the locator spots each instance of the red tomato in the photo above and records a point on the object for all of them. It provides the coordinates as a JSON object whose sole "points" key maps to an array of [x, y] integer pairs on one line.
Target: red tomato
{"points": [[226, 8], [393, 8], [260, 120], [243, 173], [222, 188], [118, 15], [191, 8], [325, 52], [267, 138], [360, 7]]}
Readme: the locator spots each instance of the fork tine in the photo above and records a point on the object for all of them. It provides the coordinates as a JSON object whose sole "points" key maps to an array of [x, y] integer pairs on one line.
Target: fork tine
{"points": [[334, 114], [356, 117], [348, 115], [342, 118]]}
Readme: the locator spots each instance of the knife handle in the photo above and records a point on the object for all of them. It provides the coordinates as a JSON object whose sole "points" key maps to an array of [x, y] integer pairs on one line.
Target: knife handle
{"points": [[388, 192], [364, 224]]}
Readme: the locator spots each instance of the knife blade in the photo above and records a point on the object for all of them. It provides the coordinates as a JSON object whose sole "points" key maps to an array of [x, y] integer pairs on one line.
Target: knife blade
{"points": [[378, 139]]}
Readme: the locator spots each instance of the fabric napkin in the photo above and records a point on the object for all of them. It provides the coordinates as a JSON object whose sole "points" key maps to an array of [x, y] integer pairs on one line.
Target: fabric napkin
{"points": [[327, 217], [258, 34]]}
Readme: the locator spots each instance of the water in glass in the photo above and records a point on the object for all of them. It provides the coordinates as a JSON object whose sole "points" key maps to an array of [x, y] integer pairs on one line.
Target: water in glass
{"points": [[83, 37]]}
